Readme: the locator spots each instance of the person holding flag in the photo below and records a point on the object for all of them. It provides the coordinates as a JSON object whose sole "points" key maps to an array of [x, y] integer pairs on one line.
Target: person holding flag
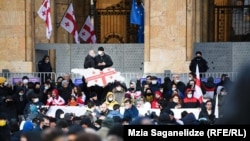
{"points": [[198, 91]]}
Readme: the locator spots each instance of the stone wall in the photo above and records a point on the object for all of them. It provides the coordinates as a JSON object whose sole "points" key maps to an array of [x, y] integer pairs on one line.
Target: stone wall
{"points": [[15, 36]]}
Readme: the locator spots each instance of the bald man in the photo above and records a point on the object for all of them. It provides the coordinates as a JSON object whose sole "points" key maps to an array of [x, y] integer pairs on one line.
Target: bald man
{"points": [[89, 61]]}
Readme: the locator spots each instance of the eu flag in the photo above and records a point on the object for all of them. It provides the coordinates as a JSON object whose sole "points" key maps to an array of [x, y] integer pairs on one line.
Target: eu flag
{"points": [[137, 17]]}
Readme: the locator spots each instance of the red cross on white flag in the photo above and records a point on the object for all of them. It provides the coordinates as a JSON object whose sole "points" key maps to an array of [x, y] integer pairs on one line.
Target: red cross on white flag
{"points": [[44, 13], [101, 78], [87, 32], [69, 23]]}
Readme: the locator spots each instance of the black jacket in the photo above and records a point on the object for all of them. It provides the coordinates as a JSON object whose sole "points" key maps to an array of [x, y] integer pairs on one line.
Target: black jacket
{"points": [[202, 64], [105, 58], [89, 62]]}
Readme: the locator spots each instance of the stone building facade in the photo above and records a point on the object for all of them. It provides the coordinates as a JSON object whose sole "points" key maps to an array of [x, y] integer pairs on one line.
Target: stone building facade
{"points": [[171, 29]]}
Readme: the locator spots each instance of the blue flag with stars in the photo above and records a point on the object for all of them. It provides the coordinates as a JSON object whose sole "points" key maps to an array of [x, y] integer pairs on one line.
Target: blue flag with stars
{"points": [[137, 17], [137, 14]]}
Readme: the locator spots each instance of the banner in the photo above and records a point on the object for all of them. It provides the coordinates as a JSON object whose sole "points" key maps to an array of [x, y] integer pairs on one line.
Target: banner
{"points": [[97, 77]]}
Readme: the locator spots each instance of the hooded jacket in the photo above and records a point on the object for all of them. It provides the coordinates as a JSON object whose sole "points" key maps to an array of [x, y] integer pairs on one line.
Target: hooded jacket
{"points": [[55, 101], [112, 102]]}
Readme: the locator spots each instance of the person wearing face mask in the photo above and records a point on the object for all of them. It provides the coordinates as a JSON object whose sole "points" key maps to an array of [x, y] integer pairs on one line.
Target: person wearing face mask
{"points": [[8, 107], [175, 90], [45, 68], [4, 128], [181, 86], [20, 102], [31, 109], [103, 60], [189, 101], [24, 84], [220, 99], [149, 95], [155, 84], [133, 91], [46, 90], [110, 100], [200, 61]]}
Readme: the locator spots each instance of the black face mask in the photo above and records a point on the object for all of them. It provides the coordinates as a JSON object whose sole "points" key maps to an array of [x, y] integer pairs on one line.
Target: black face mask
{"points": [[37, 90], [132, 89], [45, 127], [198, 57], [9, 103]]}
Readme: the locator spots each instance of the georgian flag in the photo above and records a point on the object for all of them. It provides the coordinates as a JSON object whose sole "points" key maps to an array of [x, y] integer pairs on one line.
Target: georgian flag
{"points": [[198, 92], [97, 77], [44, 13], [69, 23], [87, 32]]}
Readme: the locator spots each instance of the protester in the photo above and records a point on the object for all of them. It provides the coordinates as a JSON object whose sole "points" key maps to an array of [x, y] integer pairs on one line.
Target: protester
{"points": [[103, 60]]}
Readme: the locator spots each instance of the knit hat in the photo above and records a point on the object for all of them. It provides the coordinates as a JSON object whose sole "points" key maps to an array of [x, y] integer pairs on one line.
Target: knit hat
{"points": [[2, 80], [198, 52], [100, 49]]}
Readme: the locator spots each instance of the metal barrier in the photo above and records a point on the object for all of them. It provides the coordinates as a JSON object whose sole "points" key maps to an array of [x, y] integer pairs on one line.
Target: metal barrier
{"points": [[12, 78]]}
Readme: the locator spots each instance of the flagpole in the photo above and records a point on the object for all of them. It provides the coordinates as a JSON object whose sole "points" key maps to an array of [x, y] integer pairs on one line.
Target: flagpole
{"points": [[92, 5], [142, 5], [64, 14]]}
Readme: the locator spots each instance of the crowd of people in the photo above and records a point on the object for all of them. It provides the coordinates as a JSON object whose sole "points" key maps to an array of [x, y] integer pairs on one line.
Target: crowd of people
{"points": [[28, 102], [24, 106]]}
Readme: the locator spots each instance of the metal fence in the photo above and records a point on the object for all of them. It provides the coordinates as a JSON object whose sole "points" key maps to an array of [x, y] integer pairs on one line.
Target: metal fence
{"points": [[13, 78]]}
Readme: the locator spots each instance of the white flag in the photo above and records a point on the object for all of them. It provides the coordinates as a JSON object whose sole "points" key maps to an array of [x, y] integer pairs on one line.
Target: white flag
{"points": [[87, 32], [69, 23], [44, 13], [216, 110], [99, 77], [198, 92]]}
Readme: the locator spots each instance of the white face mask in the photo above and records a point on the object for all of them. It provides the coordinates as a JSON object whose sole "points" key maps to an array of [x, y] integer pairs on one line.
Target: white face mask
{"points": [[173, 89], [177, 80], [20, 93], [118, 88], [175, 100], [189, 95], [61, 116], [154, 82], [110, 99], [25, 81], [161, 91], [46, 87], [36, 100], [100, 52], [189, 78], [6, 83], [223, 93]]}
